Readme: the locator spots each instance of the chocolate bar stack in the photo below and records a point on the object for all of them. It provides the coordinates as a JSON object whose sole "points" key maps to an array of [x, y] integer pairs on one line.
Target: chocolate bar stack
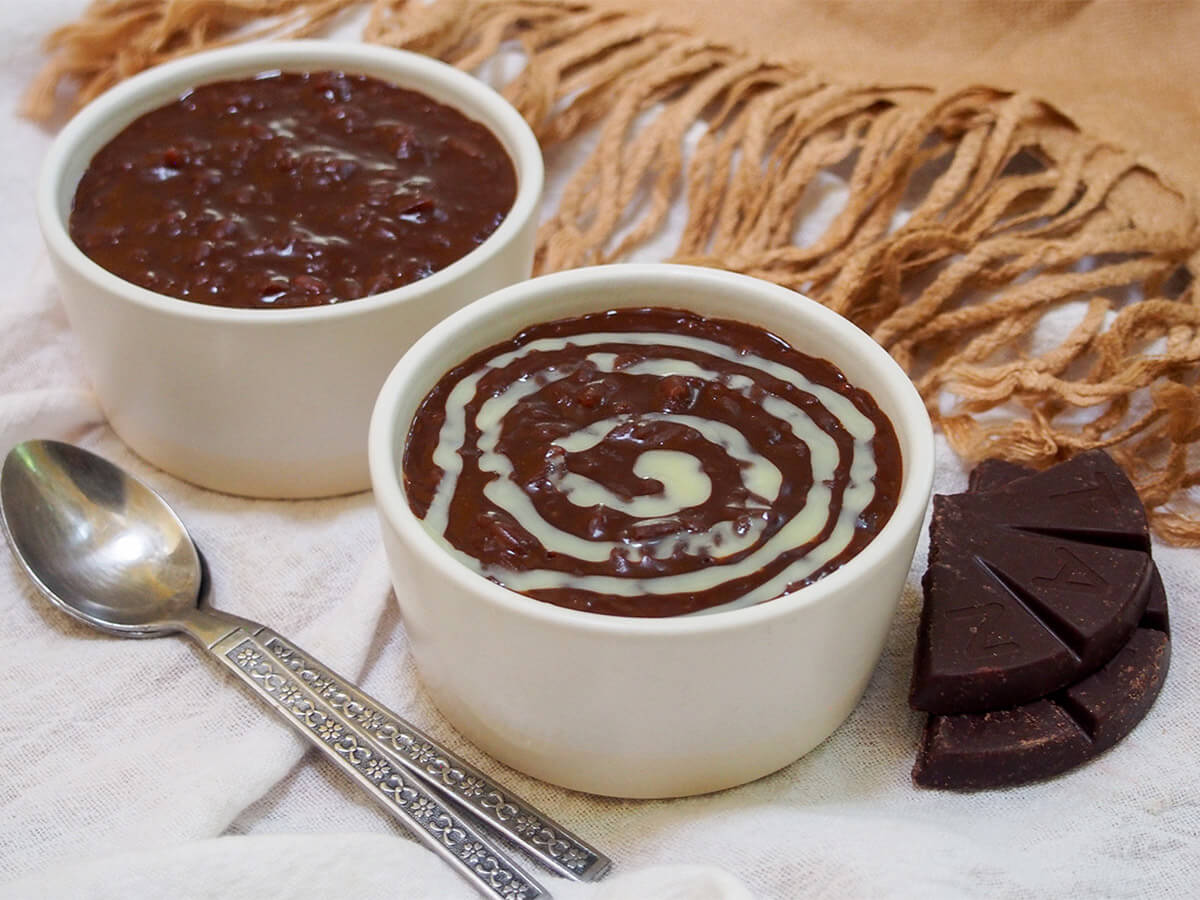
{"points": [[1044, 637]]}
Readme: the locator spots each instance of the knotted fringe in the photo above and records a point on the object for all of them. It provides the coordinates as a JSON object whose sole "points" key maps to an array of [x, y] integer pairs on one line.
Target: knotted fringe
{"points": [[964, 220]]}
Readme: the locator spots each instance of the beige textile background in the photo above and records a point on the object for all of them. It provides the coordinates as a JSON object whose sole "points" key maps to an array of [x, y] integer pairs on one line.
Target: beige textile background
{"points": [[985, 256], [1126, 70]]}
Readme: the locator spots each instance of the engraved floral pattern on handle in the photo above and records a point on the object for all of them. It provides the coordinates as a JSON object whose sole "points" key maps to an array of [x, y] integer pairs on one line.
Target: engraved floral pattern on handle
{"points": [[549, 842], [304, 700]]}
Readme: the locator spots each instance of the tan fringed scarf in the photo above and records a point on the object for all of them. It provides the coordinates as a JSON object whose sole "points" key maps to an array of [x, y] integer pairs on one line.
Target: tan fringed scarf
{"points": [[972, 214]]}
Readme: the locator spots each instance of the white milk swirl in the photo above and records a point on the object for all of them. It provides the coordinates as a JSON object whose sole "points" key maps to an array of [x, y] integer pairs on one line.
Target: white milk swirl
{"points": [[736, 548]]}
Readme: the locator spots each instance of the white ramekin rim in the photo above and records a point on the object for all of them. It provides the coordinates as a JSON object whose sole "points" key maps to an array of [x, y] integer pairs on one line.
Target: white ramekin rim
{"points": [[427, 354], [211, 65]]}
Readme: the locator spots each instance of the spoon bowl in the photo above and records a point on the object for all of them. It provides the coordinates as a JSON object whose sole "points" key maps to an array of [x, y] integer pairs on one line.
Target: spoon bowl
{"points": [[102, 546]]}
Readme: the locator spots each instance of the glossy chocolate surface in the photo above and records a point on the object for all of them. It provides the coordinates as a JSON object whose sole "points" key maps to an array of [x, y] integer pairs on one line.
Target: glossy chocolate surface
{"points": [[650, 462], [292, 189]]}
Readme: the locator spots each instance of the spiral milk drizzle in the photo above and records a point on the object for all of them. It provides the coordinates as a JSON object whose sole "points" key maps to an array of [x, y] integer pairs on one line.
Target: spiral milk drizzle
{"points": [[685, 483]]}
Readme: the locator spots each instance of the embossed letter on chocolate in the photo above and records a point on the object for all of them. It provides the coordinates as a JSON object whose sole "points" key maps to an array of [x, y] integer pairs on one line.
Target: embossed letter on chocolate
{"points": [[650, 462], [1030, 586]]}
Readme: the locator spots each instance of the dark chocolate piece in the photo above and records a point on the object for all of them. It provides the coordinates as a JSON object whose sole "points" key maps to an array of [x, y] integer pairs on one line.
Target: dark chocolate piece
{"points": [[1009, 747], [1048, 736], [1087, 498], [1019, 603], [1003, 748]]}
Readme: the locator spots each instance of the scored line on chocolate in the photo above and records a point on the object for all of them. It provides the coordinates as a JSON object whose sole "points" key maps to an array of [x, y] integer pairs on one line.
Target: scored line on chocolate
{"points": [[1098, 537], [1076, 712], [1036, 610]]}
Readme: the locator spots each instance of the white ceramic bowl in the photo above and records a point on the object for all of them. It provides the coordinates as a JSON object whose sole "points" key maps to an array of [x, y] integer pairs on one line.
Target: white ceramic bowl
{"points": [[267, 403], [646, 707]]}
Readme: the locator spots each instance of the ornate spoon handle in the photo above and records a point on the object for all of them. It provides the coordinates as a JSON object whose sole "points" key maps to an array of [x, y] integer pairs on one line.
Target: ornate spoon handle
{"points": [[313, 713], [458, 782]]}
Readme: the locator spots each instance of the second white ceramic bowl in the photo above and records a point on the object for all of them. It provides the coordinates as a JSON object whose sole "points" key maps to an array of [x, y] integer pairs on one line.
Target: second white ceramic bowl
{"points": [[266, 403], [646, 707]]}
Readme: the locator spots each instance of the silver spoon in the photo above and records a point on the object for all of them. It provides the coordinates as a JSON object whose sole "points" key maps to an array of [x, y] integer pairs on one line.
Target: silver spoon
{"points": [[109, 551]]}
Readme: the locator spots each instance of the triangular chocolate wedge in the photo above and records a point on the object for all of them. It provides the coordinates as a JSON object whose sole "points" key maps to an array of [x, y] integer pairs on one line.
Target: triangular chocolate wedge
{"points": [[1087, 499], [1031, 585]]}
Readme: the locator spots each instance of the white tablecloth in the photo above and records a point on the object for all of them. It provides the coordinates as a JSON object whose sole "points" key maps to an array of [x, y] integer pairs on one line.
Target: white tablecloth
{"points": [[139, 769]]}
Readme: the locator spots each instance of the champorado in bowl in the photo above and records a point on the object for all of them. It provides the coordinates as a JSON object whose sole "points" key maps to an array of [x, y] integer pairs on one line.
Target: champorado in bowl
{"points": [[246, 239], [648, 524]]}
